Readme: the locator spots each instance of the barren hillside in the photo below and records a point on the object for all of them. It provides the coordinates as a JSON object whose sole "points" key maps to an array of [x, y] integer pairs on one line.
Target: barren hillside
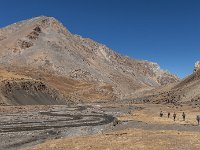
{"points": [[185, 91], [42, 48]]}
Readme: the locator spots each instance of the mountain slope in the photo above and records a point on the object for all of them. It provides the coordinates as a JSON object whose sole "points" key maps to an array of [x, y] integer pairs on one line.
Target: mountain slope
{"points": [[187, 91], [44, 45]]}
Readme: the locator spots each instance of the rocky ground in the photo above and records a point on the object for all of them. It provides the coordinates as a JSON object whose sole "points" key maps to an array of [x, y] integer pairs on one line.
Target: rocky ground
{"points": [[119, 125], [22, 126]]}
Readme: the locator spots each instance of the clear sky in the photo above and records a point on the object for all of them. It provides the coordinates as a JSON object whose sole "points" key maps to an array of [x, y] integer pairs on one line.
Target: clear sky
{"points": [[163, 31]]}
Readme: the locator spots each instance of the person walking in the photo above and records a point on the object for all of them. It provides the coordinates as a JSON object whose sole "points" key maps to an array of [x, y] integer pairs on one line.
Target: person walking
{"points": [[183, 115], [198, 119], [174, 116], [161, 113], [168, 114]]}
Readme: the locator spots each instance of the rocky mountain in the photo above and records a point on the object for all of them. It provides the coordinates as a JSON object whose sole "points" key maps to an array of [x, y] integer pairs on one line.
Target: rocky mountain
{"points": [[43, 49], [187, 91], [197, 66]]}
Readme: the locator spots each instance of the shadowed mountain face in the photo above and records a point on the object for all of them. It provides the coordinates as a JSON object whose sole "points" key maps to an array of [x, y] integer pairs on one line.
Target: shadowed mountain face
{"points": [[42, 48], [188, 90]]}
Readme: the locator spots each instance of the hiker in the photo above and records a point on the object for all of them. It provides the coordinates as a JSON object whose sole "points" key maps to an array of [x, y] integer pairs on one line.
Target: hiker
{"points": [[168, 114], [174, 116], [198, 119], [183, 115], [161, 113]]}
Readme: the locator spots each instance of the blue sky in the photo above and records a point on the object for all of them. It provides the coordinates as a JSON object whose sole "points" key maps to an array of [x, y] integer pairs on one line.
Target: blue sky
{"points": [[163, 31]]}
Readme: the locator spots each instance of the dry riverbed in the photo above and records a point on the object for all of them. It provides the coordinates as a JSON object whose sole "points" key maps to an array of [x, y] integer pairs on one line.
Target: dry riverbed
{"points": [[94, 126], [139, 129]]}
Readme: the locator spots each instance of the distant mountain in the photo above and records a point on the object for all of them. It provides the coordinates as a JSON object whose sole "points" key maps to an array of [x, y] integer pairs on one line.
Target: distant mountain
{"points": [[43, 49], [187, 91]]}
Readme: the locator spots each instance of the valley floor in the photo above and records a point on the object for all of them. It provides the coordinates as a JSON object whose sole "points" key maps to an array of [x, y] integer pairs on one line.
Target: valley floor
{"points": [[92, 126]]}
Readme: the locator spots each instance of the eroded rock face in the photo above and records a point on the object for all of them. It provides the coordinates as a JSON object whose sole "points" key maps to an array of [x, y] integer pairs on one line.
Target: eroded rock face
{"points": [[30, 93], [197, 66]]}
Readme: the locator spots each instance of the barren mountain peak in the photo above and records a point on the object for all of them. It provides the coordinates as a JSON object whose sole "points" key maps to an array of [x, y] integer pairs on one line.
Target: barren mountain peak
{"points": [[43, 43]]}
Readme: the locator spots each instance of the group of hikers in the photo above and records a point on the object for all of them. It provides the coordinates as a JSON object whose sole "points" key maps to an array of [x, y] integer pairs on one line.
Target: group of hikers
{"points": [[183, 115]]}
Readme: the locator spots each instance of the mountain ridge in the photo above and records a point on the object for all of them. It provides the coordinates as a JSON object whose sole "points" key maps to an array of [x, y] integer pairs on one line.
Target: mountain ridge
{"points": [[43, 43]]}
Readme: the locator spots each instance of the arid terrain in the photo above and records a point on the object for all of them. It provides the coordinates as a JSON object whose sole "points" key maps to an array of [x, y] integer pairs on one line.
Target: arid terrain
{"points": [[99, 126], [43, 49], [59, 90]]}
